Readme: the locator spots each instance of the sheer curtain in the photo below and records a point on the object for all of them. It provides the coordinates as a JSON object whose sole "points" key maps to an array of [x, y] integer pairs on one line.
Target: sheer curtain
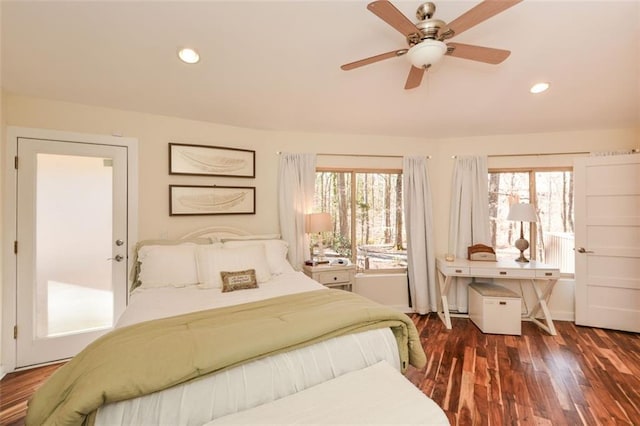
{"points": [[296, 183], [469, 217], [419, 224]]}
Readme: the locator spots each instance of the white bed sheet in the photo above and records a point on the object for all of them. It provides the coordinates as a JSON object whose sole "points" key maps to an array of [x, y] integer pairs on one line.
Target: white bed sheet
{"points": [[251, 384], [373, 395], [152, 303]]}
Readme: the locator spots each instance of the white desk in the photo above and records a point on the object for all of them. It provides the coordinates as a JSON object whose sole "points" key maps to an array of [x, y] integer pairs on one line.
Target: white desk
{"points": [[533, 272]]}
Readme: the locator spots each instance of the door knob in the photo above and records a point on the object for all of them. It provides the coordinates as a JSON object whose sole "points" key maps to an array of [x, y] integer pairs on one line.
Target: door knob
{"points": [[119, 242], [583, 250], [118, 258]]}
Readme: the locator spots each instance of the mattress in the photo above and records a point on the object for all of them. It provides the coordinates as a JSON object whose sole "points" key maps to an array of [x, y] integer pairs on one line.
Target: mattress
{"points": [[251, 384], [374, 395]]}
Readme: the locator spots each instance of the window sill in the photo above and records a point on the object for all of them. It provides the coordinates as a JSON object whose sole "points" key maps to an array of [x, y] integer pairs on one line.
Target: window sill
{"points": [[386, 271]]}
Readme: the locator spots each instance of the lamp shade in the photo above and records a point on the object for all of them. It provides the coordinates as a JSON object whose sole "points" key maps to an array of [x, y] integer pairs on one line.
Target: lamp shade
{"points": [[426, 53], [522, 212], [318, 222]]}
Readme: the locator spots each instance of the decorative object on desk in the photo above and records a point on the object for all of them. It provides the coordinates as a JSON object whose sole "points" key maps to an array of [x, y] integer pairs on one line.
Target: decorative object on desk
{"points": [[481, 252], [319, 223], [449, 257], [522, 212]]}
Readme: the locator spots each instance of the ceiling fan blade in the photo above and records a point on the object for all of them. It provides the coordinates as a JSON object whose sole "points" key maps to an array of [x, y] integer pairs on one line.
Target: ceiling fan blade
{"points": [[392, 16], [488, 55], [372, 59], [480, 13], [415, 78]]}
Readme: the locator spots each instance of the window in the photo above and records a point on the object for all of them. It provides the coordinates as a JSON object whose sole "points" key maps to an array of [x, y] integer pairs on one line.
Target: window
{"points": [[551, 192], [366, 207]]}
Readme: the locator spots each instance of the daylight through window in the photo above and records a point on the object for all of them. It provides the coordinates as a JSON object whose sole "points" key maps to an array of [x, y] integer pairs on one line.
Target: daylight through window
{"points": [[368, 219], [551, 192]]}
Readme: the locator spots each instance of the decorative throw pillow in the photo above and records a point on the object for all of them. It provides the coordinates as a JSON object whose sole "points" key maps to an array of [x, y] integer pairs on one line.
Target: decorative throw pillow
{"points": [[238, 280]]}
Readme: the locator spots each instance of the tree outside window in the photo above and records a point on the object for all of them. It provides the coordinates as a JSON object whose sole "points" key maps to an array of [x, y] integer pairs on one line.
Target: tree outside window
{"points": [[368, 218]]}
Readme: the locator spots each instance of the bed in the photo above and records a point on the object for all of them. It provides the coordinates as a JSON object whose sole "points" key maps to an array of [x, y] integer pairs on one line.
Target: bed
{"points": [[219, 323]]}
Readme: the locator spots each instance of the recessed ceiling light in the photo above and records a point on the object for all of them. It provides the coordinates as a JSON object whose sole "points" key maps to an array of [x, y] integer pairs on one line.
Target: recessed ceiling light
{"points": [[539, 87], [189, 56]]}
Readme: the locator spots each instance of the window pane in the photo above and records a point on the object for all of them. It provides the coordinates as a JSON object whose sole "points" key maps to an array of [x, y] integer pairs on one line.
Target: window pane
{"points": [[333, 195], [74, 290], [506, 189], [377, 213], [554, 207], [379, 221], [554, 193]]}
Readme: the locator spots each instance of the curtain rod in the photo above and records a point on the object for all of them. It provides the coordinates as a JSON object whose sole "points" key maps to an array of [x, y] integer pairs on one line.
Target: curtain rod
{"points": [[542, 154], [358, 155]]}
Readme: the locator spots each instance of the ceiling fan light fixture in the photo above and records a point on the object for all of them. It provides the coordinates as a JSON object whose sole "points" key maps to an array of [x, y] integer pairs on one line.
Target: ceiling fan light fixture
{"points": [[426, 53], [539, 87], [189, 56]]}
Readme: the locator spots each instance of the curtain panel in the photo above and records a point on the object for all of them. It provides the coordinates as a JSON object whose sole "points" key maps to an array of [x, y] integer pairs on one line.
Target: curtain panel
{"points": [[469, 217], [296, 183], [419, 225]]}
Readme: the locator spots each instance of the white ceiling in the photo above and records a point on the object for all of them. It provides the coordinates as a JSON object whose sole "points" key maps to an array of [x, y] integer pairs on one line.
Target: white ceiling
{"points": [[276, 65]]}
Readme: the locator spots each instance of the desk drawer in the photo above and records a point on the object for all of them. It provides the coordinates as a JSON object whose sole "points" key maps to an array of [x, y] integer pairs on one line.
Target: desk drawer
{"points": [[455, 270], [333, 277], [503, 273], [548, 273]]}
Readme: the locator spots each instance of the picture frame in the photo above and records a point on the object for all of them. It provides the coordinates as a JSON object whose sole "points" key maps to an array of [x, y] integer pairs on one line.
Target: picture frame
{"points": [[197, 200], [206, 160]]}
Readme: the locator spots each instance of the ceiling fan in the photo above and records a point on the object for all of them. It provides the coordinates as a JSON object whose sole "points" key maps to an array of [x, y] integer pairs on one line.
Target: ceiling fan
{"points": [[426, 37]]}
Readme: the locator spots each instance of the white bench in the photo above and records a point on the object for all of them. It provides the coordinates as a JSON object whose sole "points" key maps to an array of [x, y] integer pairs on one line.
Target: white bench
{"points": [[375, 395]]}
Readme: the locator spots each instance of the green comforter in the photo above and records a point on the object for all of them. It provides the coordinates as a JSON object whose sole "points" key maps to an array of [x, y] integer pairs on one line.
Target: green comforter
{"points": [[155, 355]]}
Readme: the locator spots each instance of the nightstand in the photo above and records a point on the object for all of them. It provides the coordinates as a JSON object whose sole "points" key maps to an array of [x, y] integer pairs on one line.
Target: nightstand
{"points": [[335, 276]]}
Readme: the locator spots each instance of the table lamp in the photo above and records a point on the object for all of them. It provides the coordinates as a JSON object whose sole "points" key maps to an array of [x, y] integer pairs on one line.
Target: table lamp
{"points": [[319, 223], [522, 212]]}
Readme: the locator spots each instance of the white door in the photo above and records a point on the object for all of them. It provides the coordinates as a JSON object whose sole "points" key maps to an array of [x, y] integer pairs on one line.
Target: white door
{"points": [[607, 210], [71, 246]]}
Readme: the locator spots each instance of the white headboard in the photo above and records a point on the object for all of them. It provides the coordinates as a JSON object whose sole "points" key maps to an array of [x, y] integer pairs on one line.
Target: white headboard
{"points": [[216, 233]]}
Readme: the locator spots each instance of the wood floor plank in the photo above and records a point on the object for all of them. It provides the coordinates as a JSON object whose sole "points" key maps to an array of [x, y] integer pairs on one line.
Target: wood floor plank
{"points": [[582, 376]]}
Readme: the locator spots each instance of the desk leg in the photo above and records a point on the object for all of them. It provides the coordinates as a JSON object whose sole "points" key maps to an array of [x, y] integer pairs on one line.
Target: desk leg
{"points": [[443, 312], [542, 304]]}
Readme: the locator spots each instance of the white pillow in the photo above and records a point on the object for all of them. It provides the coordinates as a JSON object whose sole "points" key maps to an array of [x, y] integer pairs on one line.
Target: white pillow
{"points": [[213, 260], [251, 237], [167, 265], [275, 249]]}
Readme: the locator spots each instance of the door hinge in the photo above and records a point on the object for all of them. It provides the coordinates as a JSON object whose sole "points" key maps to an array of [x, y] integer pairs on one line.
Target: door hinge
{"points": [[15, 162], [15, 331], [15, 247]]}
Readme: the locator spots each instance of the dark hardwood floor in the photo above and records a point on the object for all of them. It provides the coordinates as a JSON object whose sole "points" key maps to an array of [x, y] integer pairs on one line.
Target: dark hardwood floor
{"points": [[17, 388], [581, 376]]}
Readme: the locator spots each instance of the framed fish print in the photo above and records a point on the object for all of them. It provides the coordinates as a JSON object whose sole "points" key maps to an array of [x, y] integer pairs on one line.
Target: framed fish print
{"points": [[204, 160], [191, 200]]}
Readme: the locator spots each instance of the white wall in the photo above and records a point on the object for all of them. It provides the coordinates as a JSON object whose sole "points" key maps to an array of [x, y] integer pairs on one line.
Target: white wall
{"points": [[389, 289], [154, 132]]}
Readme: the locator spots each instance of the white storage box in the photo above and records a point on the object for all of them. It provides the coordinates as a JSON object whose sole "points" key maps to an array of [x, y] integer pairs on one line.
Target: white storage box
{"points": [[495, 309]]}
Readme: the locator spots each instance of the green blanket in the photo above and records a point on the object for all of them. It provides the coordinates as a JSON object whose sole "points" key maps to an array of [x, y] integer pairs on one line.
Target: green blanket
{"points": [[155, 355]]}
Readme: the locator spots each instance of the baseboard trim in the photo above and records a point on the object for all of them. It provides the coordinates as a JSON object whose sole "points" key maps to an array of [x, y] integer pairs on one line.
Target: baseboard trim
{"points": [[563, 316]]}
